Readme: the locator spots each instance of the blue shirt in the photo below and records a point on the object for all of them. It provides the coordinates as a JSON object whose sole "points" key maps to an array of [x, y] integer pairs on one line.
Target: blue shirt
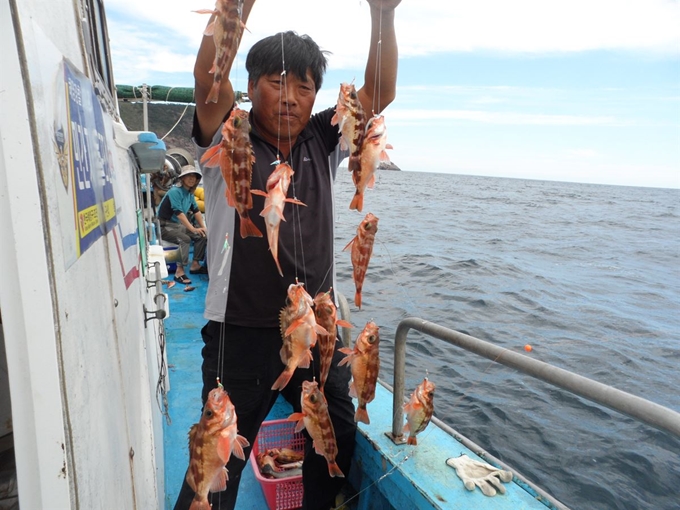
{"points": [[177, 200]]}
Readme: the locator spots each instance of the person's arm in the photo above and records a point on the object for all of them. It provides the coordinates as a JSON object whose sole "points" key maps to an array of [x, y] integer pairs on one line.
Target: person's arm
{"points": [[380, 85], [201, 224], [210, 116]]}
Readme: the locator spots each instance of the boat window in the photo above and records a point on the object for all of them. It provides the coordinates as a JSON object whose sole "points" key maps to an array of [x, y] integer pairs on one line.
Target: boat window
{"points": [[97, 44]]}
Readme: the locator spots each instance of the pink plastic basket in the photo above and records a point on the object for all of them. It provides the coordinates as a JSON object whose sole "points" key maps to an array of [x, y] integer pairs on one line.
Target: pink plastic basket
{"points": [[283, 493]]}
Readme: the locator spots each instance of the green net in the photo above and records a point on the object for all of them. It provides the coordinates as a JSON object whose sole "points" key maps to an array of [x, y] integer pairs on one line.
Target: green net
{"points": [[162, 93]]}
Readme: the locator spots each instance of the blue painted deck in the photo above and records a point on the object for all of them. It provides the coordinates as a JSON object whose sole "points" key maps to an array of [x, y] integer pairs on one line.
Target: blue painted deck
{"points": [[408, 467]]}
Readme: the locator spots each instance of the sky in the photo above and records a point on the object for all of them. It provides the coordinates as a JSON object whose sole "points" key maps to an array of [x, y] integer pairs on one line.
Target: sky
{"points": [[578, 91]]}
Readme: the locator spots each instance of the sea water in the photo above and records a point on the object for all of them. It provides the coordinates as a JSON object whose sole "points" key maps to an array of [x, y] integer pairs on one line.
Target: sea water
{"points": [[588, 275]]}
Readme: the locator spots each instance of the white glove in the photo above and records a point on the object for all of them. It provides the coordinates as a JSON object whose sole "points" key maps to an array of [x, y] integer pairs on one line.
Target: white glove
{"points": [[479, 474]]}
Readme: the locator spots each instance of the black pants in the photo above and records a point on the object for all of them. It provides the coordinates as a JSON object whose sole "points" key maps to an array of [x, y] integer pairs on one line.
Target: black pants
{"points": [[250, 365]]}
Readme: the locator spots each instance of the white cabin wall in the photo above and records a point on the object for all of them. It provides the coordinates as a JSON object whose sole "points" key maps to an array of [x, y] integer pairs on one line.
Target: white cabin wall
{"points": [[102, 360]]}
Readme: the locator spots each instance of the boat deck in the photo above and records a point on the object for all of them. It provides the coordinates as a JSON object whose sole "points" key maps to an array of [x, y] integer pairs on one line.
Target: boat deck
{"points": [[405, 476]]}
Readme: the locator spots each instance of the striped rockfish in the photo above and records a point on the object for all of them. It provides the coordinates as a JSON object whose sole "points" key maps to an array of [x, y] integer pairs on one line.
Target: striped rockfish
{"points": [[350, 118], [371, 153], [226, 30], [362, 248], [235, 157], [315, 418], [299, 331], [419, 410], [365, 362], [327, 317], [272, 212], [212, 441]]}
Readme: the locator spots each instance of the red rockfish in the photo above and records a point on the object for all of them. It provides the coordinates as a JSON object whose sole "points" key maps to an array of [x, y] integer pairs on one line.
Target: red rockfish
{"points": [[299, 331], [327, 317], [211, 442], [371, 153], [275, 201], [315, 418], [235, 157], [362, 248], [226, 30], [350, 118], [365, 362], [419, 410]]}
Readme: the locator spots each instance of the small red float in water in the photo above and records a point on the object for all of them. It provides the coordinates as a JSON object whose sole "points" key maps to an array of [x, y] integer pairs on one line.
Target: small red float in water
{"points": [[528, 348]]}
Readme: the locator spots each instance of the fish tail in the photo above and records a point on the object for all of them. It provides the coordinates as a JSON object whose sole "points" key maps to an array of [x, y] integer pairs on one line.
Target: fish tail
{"points": [[334, 470], [248, 228], [214, 94], [198, 504], [283, 380], [357, 202], [357, 299], [412, 440], [362, 416], [278, 266]]}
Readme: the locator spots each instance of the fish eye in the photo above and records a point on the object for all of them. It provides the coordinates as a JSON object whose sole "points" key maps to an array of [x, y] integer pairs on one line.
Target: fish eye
{"points": [[208, 413], [313, 398]]}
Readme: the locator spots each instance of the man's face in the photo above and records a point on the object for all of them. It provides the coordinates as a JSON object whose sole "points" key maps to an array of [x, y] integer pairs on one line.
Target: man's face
{"points": [[282, 106]]}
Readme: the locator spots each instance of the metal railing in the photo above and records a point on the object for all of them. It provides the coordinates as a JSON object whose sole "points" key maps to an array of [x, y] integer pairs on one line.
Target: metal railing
{"points": [[636, 407]]}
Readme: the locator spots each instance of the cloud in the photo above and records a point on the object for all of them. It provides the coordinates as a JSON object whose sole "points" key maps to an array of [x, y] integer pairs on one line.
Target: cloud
{"points": [[424, 28]]}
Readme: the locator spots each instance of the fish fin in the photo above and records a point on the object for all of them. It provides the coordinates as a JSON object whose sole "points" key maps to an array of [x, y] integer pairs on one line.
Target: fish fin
{"points": [[224, 447], [293, 326], [219, 483], [389, 146], [361, 415], [259, 192], [240, 443], [343, 144], [357, 299], [295, 201], [248, 228], [278, 266], [320, 330], [350, 243], [353, 390], [282, 380], [305, 359], [357, 202], [412, 440], [371, 182], [211, 157], [197, 504], [407, 427], [266, 209], [210, 29], [347, 359], [384, 157], [205, 11], [214, 93], [335, 119], [334, 470], [300, 419], [343, 324]]}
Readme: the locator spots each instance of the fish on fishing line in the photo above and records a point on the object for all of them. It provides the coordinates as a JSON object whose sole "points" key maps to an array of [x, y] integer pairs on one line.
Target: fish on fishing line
{"points": [[299, 331], [327, 317], [315, 418], [235, 157], [419, 410], [364, 361], [362, 248], [350, 119], [226, 30], [277, 189], [212, 441], [364, 164]]}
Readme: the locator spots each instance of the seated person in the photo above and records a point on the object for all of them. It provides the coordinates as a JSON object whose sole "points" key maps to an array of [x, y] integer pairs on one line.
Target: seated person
{"points": [[177, 206]]}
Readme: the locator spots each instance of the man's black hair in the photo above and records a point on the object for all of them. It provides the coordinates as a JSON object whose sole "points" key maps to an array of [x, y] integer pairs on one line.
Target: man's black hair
{"points": [[300, 53]]}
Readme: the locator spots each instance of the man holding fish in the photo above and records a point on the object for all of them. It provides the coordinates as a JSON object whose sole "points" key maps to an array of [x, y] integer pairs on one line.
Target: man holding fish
{"points": [[248, 287]]}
